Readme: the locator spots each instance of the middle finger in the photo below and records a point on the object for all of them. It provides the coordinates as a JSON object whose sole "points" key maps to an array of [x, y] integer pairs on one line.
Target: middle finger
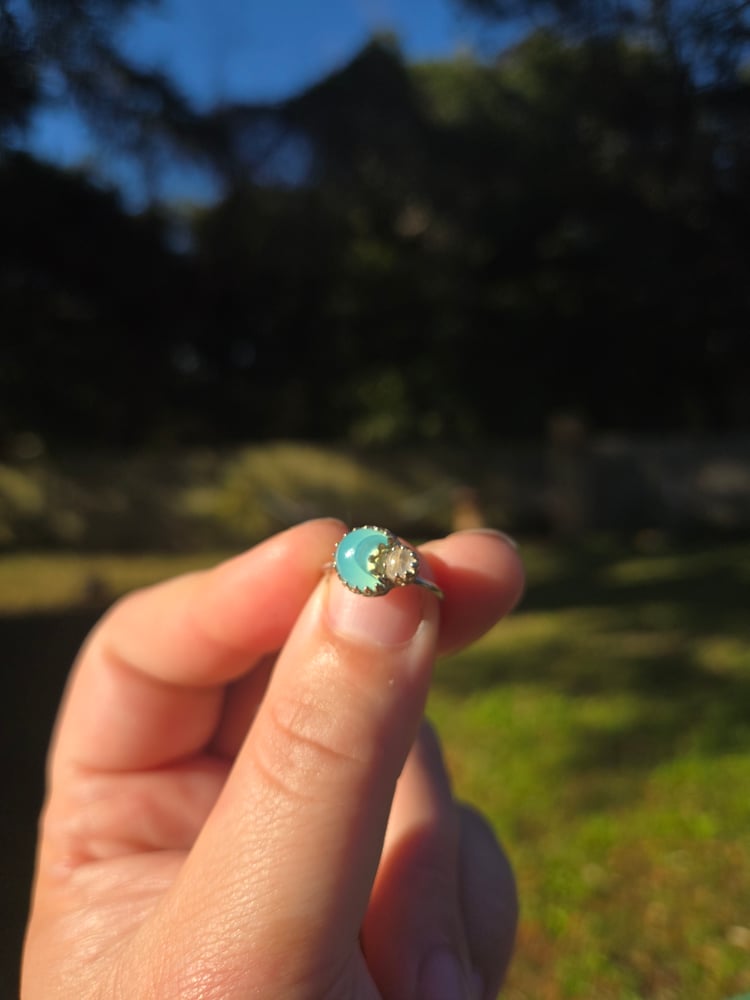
{"points": [[413, 936]]}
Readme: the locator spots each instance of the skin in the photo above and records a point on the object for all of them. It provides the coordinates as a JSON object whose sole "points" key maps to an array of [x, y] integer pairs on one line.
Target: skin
{"points": [[244, 800]]}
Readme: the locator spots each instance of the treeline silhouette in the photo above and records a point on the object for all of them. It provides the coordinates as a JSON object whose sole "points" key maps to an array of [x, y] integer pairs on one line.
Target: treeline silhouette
{"points": [[448, 251]]}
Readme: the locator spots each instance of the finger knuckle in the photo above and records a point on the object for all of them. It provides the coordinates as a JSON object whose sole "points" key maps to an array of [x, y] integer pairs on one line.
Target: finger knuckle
{"points": [[304, 745]]}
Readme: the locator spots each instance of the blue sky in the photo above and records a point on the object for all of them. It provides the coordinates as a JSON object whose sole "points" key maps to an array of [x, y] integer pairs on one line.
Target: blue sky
{"points": [[241, 49], [219, 50]]}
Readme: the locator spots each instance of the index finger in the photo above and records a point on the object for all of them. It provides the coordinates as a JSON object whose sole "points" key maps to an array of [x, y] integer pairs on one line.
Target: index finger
{"points": [[148, 685]]}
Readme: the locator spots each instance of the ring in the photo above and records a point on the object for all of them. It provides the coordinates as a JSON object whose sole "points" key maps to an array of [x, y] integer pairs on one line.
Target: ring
{"points": [[371, 561]]}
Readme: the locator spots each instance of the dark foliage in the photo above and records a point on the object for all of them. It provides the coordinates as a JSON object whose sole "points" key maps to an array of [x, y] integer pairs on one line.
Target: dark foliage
{"points": [[455, 250]]}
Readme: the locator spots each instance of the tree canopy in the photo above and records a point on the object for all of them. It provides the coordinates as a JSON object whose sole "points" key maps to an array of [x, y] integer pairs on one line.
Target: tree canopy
{"points": [[450, 250]]}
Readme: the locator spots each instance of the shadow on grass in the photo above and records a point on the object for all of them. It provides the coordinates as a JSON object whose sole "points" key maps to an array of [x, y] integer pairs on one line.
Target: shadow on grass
{"points": [[37, 649], [710, 588], [668, 635]]}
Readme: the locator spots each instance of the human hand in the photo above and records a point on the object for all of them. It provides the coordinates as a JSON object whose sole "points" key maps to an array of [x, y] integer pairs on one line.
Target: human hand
{"points": [[225, 817]]}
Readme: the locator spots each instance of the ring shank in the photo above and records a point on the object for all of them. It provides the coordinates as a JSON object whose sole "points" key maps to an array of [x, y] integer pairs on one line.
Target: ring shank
{"points": [[429, 585]]}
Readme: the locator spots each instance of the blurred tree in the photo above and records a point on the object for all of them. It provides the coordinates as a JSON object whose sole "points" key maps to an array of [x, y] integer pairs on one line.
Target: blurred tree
{"points": [[92, 307], [447, 251], [706, 38], [57, 53], [18, 80], [503, 240], [93, 302], [663, 104]]}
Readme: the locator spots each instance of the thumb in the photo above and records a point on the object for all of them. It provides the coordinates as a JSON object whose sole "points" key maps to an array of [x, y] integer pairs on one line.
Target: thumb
{"points": [[277, 885]]}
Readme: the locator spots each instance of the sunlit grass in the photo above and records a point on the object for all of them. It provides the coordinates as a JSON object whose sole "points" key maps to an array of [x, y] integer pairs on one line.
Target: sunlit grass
{"points": [[605, 729], [57, 580]]}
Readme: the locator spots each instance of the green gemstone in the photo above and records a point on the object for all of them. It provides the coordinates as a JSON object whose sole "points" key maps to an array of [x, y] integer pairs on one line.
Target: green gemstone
{"points": [[355, 556]]}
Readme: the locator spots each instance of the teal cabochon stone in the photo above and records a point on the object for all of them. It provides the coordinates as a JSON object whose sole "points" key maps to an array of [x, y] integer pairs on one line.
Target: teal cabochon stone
{"points": [[353, 556]]}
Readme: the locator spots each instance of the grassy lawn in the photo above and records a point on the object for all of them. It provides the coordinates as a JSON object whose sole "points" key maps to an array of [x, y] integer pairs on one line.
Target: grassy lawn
{"points": [[605, 728]]}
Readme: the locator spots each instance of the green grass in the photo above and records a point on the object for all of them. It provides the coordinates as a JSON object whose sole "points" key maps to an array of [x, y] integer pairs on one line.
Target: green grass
{"points": [[47, 581], [605, 729]]}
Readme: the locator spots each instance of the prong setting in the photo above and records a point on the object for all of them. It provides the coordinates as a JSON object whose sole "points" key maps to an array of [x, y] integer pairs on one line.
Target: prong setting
{"points": [[372, 561]]}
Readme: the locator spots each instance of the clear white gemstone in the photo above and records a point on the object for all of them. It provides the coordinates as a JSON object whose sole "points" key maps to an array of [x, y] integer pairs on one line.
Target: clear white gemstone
{"points": [[398, 564]]}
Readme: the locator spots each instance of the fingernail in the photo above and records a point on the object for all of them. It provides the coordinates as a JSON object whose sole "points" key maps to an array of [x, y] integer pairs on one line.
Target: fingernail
{"points": [[442, 978], [498, 534], [389, 620]]}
